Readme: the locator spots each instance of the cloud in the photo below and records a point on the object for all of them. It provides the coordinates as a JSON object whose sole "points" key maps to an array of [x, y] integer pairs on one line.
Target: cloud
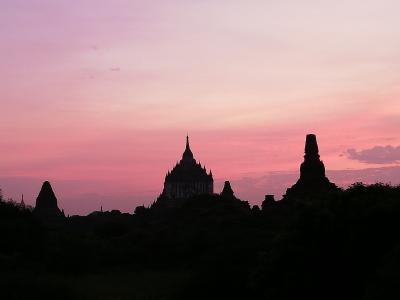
{"points": [[376, 155], [344, 178]]}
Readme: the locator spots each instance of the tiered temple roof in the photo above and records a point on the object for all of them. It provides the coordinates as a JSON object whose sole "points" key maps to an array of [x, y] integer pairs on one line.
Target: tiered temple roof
{"points": [[188, 177]]}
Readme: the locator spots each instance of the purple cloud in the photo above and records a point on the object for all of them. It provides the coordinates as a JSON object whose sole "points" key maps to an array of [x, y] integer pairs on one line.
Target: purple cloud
{"points": [[376, 155]]}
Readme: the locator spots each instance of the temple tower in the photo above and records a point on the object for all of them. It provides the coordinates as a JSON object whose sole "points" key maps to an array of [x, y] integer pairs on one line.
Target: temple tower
{"points": [[227, 191], [312, 173], [188, 178], [46, 203], [312, 168]]}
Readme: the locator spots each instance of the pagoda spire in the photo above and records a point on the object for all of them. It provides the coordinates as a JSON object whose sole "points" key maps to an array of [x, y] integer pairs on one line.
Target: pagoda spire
{"points": [[311, 148], [312, 173], [227, 190], [46, 203], [312, 167], [188, 154], [187, 142]]}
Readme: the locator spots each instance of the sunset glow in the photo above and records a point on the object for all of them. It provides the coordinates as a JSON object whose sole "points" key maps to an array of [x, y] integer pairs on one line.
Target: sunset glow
{"points": [[98, 97]]}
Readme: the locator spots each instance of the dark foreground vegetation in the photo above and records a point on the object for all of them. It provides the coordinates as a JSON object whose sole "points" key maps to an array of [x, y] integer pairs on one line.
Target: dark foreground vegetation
{"points": [[344, 245]]}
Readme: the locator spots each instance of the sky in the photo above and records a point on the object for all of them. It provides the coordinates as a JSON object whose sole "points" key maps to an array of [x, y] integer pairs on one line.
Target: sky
{"points": [[97, 96]]}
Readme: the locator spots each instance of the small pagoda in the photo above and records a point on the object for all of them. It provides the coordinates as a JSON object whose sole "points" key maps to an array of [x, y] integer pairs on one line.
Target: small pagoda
{"points": [[312, 179], [46, 204]]}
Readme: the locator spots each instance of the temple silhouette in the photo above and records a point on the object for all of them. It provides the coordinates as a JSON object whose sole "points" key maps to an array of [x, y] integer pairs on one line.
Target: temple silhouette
{"points": [[227, 190], [312, 174], [318, 242], [46, 207], [188, 178]]}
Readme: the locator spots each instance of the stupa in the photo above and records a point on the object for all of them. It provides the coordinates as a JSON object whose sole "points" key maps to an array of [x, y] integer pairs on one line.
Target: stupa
{"points": [[312, 173], [46, 204]]}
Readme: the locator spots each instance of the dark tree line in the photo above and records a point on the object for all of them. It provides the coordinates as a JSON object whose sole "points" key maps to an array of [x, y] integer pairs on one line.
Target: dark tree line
{"points": [[329, 246]]}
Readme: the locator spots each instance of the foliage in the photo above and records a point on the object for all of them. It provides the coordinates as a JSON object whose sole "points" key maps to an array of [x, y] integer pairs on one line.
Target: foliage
{"points": [[341, 245]]}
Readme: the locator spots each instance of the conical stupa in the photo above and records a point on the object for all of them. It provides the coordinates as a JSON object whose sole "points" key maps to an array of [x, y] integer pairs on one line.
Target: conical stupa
{"points": [[227, 191], [312, 173], [46, 203]]}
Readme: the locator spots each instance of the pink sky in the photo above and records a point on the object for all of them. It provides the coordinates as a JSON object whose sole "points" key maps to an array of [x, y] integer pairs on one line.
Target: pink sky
{"points": [[98, 96]]}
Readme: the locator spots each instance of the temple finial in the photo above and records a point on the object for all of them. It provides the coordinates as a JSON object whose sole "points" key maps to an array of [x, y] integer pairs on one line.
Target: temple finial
{"points": [[227, 190], [187, 155], [311, 147]]}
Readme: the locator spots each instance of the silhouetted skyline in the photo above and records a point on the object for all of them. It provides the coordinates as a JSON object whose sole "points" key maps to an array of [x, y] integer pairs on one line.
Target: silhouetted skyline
{"points": [[250, 189], [91, 93], [175, 150], [188, 179]]}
